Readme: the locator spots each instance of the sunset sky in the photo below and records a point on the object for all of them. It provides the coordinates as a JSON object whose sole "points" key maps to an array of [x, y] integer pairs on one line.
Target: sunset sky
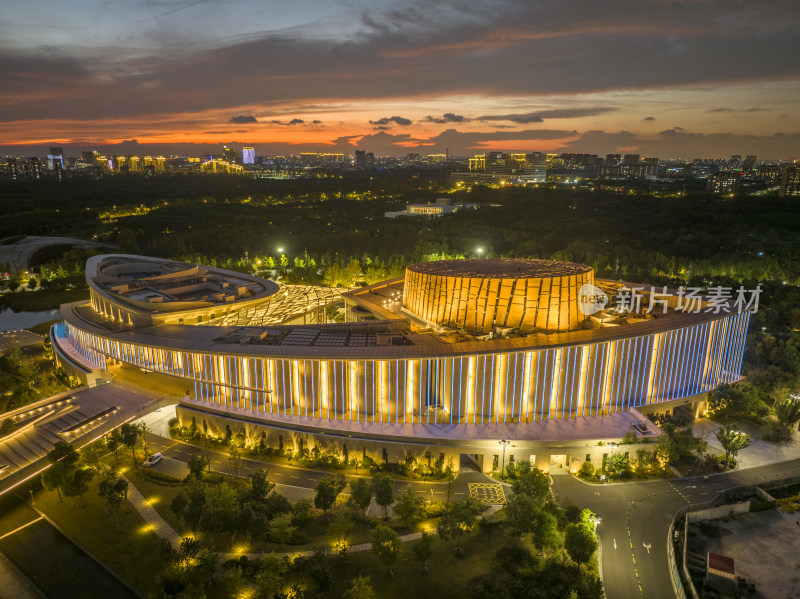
{"points": [[661, 78]]}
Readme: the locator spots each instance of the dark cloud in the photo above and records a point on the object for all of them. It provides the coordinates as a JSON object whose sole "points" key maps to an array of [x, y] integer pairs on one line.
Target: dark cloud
{"points": [[514, 118], [649, 118], [242, 120], [388, 120], [755, 109], [316, 122], [292, 122], [447, 117], [538, 117]]}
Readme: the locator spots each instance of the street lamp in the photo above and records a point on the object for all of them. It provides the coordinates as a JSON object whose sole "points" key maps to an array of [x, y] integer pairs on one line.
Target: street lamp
{"points": [[280, 250], [480, 251], [504, 444]]}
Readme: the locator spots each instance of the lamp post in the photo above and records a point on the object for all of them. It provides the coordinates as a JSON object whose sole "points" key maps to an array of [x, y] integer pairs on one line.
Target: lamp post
{"points": [[504, 444], [480, 252]]}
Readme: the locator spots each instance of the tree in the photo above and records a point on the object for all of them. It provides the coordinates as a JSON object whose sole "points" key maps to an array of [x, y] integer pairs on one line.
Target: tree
{"points": [[341, 525], [114, 490], [129, 434], [178, 506], [113, 441], [327, 490], [580, 542], [788, 413], [77, 483], [189, 548], [423, 549], [409, 507], [63, 460], [259, 484], [458, 519], [383, 485], [360, 494], [196, 465], [91, 455], [732, 441], [269, 577], [281, 530], [143, 431], [386, 544], [360, 588], [533, 483], [234, 460]]}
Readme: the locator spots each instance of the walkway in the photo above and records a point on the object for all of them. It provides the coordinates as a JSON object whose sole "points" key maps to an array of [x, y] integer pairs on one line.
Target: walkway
{"points": [[759, 453], [159, 526], [154, 521]]}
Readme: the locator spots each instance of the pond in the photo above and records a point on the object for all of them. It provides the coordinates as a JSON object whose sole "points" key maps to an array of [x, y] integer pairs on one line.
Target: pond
{"points": [[14, 321]]}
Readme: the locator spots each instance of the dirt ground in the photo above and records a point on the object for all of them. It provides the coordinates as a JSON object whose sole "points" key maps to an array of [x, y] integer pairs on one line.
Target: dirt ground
{"points": [[765, 546]]}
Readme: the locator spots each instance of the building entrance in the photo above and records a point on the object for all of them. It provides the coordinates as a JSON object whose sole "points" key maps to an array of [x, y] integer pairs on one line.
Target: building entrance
{"points": [[471, 462]]}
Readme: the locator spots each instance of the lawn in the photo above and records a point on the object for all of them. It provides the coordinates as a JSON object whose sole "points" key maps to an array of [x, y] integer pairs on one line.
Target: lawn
{"points": [[34, 301], [448, 576], [130, 550]]}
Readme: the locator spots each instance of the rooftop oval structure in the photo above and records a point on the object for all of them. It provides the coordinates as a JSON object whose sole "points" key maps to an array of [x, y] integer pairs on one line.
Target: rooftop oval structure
{"points": [[482, 294]]}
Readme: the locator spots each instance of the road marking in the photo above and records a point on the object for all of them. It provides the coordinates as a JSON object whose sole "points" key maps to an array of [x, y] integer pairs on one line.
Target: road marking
{"points": [[615, 543], [8, 534], [648, 547], [293, 476], [487, 493]]}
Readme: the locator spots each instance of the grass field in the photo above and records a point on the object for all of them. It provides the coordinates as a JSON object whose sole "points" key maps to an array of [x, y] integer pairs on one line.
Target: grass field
{"points": [[130, 550], [34, 301]]}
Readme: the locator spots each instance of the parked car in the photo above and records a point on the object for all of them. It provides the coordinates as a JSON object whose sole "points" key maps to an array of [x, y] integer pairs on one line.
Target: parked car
{"points": [[153, 459]]}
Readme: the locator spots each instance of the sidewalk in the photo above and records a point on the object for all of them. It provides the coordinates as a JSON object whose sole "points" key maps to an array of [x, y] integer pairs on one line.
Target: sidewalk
{"points": [[14, 583], [149, 514], [759, 453]]}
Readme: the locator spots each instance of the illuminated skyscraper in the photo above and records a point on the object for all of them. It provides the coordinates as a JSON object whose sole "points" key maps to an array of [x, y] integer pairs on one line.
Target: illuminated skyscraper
{"points": [[248, 155], [55, 155], [790, 182]]}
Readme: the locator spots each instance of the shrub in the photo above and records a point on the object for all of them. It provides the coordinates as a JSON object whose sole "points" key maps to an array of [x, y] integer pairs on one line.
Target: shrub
{"points": [[587, 469]]}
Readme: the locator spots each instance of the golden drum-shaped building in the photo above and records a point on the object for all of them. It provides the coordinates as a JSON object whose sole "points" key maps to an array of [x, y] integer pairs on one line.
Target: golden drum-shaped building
{"points": [[478, 295]]}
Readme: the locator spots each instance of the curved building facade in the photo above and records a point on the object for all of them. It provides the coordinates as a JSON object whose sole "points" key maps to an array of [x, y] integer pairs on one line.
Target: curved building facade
{"points": [[389, 371], [479, 295]]}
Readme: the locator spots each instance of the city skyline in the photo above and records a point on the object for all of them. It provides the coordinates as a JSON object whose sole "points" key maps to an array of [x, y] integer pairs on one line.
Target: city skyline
{"points": [[689, 79]]}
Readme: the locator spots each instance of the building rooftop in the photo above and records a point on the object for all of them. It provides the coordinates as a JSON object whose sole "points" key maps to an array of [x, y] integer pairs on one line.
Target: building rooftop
{"points": [[491, 268]]}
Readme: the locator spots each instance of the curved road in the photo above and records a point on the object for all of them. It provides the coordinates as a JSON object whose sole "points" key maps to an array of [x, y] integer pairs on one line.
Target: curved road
{"points": [[637, 517]]}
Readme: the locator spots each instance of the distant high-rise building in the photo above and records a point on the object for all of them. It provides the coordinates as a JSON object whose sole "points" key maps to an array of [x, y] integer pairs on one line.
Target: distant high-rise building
{"points": [[477, 163], [735, 161], [437, 157], [369, 159], [361, 158], [33, 168], [749, 162], [650, 167], [248, 155], [535, 169], [613, 160], [230, 155], [56, 155], [12, 169], [724, 182], [790, 183], [631, 160]]}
